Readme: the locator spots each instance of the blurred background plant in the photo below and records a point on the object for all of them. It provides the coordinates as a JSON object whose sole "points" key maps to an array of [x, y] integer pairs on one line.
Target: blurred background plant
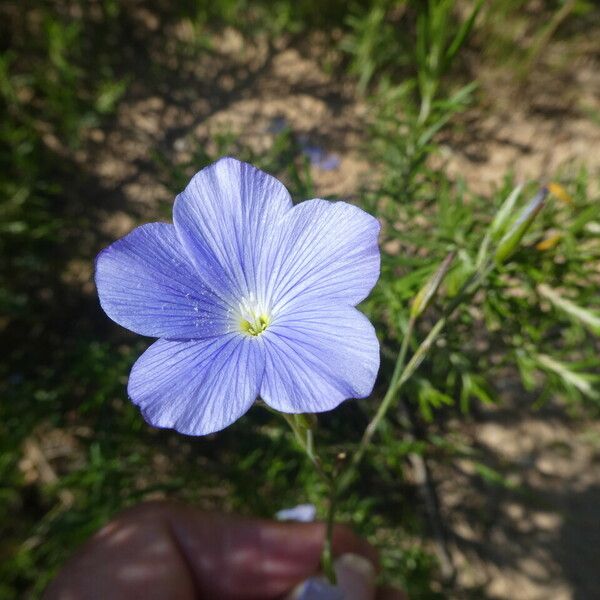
{"points": [[72, 449]]}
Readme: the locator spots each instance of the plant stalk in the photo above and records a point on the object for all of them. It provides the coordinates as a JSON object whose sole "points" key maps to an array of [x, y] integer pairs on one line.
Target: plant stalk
{"points": [[402, 372]]}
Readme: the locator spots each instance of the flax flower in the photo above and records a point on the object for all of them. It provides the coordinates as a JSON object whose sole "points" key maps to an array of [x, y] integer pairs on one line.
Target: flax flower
{"points": [[249, 296]]}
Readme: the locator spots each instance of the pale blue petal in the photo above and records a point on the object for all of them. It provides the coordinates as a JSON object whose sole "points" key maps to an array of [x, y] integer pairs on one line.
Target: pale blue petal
{"points": [[147, 284], [223, 218], [322, 250], [303, 513], [198, 386], [317, 356], [318, 589]]}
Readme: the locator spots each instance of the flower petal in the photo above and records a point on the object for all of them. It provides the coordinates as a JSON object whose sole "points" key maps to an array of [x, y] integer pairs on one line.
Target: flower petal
{"points": [[317, 357], [198, 386], [223, 218], [323, 250], [146, 283]]}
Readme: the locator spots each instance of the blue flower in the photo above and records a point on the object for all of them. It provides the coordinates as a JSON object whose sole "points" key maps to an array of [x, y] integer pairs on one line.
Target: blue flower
{"points": [[304, 513], [250, 296], [316, 589]]}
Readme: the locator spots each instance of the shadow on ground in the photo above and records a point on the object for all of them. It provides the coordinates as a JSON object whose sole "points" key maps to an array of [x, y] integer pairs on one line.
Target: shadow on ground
{"points": [[533, 533]]}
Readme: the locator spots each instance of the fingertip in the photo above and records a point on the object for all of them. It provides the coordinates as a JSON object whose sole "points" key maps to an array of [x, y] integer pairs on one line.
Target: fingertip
{"points": [[355, 577], [345, 541]]}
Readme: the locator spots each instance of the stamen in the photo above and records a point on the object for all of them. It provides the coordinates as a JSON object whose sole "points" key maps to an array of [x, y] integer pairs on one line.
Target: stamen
{"points": [[253, 317], [257, 326]]}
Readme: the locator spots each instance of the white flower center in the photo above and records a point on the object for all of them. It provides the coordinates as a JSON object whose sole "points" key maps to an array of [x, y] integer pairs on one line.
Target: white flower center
{"points": [[253, 318]]}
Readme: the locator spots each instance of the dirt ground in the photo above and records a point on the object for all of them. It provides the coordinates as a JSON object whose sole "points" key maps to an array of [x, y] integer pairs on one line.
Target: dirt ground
{"points": [[537, 538], [540, 538]]}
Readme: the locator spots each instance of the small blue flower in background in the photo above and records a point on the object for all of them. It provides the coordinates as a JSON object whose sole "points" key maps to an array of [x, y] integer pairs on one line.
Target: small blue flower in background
{"points": [[250, 296], [318, 156]]}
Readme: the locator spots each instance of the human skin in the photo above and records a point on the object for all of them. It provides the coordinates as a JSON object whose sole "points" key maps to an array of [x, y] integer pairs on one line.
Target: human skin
{"points": [[163, 551]]}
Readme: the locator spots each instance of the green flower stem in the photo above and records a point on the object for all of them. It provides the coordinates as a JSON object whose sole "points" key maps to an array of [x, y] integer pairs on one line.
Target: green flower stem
{"points": [[310, 443], [327, 555], [383, 407], [304, 437], [402, 372]]}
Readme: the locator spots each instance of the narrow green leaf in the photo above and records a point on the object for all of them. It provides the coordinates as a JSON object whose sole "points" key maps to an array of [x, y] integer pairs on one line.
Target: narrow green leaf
{"points": [[577, 380], [462, 34], [583, 315], [498, 225]]}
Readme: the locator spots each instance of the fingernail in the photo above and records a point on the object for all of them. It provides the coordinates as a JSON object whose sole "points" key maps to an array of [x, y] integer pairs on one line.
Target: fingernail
{"points": [[356, 577]]}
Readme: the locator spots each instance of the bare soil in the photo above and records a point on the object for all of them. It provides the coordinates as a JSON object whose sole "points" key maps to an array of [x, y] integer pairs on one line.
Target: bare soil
{"points": [[537, 537]]}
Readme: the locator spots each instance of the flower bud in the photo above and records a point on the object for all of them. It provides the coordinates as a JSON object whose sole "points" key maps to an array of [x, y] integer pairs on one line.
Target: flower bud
{"points": [[427, 292], [306, 420], [511, 240]]}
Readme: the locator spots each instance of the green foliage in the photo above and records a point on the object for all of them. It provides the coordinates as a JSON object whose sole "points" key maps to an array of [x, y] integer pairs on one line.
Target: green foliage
{"points": [[284, 157], [274, 17], [49, 93], [512, 317], [373, 41], [532, 26], [407, 117]]}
